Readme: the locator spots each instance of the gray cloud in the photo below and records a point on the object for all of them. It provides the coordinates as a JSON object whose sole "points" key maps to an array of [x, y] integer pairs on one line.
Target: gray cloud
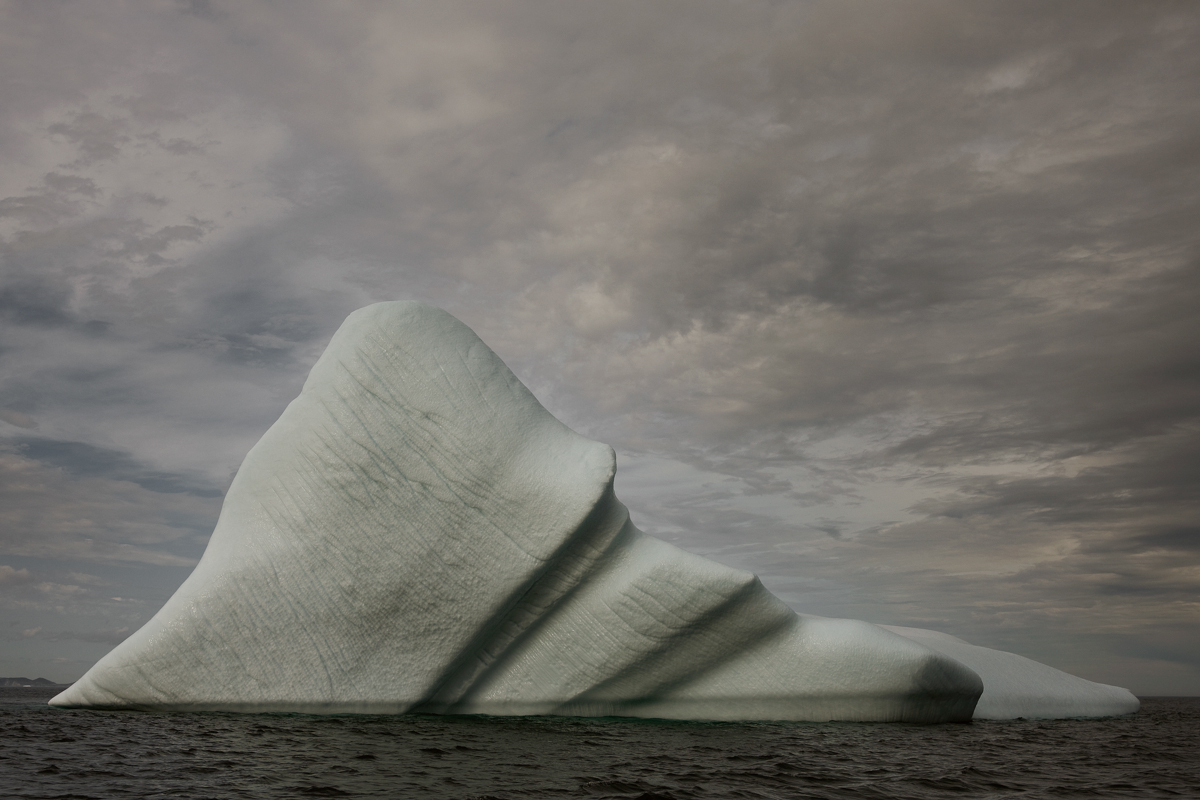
{"points": [[109, 637], [890, 302], [87, 460], [104, 507]]}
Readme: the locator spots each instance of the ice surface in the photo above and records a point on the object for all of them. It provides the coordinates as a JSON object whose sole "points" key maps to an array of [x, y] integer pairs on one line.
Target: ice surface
{"points": [[1015, 686], [417, 534]]}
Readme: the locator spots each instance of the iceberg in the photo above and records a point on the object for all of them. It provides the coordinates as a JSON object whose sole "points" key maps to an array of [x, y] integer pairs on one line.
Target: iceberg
{"points": [[417, 534], [1018, 687]]}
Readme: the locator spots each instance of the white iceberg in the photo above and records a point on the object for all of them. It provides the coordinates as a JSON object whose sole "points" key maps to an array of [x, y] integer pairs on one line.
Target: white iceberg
{"points": [[416, 533], [1015, 686]]}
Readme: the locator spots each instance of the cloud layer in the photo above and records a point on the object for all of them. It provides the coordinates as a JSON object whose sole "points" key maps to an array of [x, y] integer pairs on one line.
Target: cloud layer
{"points": [[892, 303]]}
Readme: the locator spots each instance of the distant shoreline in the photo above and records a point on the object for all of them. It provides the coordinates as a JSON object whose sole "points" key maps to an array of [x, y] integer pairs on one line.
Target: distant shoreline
{"points": [[27, 683]]}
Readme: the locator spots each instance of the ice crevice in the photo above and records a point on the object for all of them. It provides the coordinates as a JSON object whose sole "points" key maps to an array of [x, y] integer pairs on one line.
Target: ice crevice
{"points": [[416, 533]]}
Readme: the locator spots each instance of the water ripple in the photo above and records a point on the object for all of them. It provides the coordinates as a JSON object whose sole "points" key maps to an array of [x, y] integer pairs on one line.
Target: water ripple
{"points": [[56, 753]]}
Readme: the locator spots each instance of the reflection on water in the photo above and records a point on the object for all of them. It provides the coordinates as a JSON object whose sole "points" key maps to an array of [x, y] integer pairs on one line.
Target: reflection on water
{"points": [[55, 753]]}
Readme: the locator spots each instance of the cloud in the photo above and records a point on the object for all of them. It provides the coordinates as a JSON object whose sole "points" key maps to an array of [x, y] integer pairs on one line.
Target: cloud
{"points": [[890, 302], [85, 460], [142, 517], [17, 418], [12, 577], [110, 637]]}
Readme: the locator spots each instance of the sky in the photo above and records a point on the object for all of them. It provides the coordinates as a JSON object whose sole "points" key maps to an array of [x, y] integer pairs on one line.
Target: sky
{"points": [[892, 303]]}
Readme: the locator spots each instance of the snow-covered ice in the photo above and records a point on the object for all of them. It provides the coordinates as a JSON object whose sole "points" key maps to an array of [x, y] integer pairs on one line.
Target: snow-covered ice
{"points": [[416, 533]]}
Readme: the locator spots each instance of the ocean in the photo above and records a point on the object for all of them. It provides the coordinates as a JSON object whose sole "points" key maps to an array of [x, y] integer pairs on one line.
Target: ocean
{"points": [[54, 753]]}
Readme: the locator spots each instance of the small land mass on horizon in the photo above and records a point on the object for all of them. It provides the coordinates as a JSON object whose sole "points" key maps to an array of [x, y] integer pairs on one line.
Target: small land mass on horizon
{"points": [[17, 683]]}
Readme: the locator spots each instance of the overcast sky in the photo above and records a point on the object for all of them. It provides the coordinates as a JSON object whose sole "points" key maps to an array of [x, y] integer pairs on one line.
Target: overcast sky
{"points": [[893, 303]]}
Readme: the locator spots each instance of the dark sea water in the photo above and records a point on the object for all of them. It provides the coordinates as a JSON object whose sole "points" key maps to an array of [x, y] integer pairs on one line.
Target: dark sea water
{"points": [[54, 753]]}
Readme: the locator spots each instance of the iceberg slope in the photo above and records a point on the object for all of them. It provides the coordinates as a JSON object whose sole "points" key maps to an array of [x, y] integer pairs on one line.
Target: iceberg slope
{"points": [[417, 534], [1015, 686]]}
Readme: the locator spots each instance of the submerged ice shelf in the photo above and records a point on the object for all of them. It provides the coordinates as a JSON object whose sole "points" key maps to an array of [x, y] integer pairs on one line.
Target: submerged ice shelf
{"points": [[416, 533]]}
